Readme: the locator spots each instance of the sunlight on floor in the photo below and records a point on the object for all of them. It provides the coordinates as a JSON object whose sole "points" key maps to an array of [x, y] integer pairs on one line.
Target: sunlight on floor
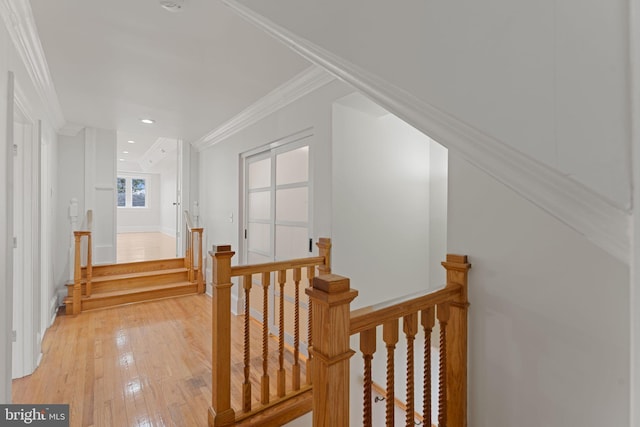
{"points": [[145, 246]]}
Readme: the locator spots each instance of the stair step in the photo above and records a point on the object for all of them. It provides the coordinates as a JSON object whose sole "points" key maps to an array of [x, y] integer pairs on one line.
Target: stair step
{"points": [[128, 296], [135, 267], [137, 280]]}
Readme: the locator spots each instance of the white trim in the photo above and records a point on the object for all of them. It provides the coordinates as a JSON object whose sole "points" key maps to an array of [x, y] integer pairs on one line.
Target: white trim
{"points": [[60, 295], [171, 232], [590, 214], [21, 26], [303, 84], [70, 129], [53, 309], [634, 285]]}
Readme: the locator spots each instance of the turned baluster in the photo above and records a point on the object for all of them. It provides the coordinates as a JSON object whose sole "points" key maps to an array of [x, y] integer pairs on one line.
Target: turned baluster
{"points": [[295, 372], [390, 337], [282, 278], [410, 327], [367, 347], [266, 281], [428, 321], [311, 273], [443, 317], [246, 386]]}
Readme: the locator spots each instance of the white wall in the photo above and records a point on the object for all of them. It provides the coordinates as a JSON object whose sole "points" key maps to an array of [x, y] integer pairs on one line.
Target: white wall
{"points": [[381, 204], [10, 61], [219, 166], [548, 78], [548, 308], [70, 170], [549, 318], [138, 220]]}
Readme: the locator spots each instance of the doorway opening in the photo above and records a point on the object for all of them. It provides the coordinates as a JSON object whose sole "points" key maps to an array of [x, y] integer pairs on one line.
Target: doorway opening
{"points": [[277, 194], [148, 198]]}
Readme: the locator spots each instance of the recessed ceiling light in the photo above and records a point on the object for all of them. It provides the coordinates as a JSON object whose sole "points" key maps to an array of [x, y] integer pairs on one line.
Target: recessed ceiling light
{"points": [[148, 121], [125, 152], [122, 160], [131, 141]]}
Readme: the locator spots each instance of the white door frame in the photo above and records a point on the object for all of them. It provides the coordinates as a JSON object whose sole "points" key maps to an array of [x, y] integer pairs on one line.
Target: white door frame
{"points": [[26, 198], [271, 150]]}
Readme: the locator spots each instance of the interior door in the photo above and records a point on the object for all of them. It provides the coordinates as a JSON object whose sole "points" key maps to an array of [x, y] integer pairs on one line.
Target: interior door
{"points": [[277, 223]]}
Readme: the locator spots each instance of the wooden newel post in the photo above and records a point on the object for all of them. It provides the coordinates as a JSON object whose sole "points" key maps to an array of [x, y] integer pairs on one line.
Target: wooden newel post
{"points": [[89, 264], [221, 413], [77, 275], [331, 297], [324, 249], [456, 376], [200, 266]]}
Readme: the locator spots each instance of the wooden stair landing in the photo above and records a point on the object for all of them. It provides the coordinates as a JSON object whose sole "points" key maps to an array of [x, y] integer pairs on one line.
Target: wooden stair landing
{"points": [[118, 284]]}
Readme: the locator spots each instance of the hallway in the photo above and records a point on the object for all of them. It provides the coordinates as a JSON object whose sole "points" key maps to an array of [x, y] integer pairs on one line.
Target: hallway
{"points": [[134, 247], [145, 364]]}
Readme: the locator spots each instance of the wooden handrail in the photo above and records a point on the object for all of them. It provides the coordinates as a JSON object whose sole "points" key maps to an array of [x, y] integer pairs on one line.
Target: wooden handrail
{"points": [[221, 413], [193, 258], [331, 296], [366, 318], [243, 270]]}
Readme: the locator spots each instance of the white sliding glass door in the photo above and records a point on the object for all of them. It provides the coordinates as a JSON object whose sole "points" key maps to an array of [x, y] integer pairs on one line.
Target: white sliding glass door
{"points": [[277, 224]]}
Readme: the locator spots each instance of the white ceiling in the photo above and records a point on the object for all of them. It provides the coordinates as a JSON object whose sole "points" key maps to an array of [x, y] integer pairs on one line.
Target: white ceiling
{"points": [[115, 62]]}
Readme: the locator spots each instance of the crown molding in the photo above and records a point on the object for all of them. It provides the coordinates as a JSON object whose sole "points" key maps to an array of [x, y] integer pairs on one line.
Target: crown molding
{"points": [[303, 84], [18, 19], [70, 129], [606, 225]]}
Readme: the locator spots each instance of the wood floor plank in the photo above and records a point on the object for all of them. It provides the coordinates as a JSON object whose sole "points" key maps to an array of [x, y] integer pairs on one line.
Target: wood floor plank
{"points": [[146, 364]]}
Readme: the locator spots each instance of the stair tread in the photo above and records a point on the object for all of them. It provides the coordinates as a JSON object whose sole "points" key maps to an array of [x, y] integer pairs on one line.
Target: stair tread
{"points": [[119, 292], [137, 274]]}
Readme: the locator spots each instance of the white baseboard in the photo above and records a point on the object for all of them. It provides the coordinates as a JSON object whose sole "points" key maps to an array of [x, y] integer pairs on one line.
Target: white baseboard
{"points": [[53, 309], [61, 294], [171, 232]]}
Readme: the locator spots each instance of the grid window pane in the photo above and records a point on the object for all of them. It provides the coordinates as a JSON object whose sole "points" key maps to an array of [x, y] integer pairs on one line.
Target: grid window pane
{"points": [[138, 192], [122, 192]]}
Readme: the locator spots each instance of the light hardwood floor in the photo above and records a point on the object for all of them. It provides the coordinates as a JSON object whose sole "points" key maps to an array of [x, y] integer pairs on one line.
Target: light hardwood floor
{"points": [[145, 246], [145, 364]]}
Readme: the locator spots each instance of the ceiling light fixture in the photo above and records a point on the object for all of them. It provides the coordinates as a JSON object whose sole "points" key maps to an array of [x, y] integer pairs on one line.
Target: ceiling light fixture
{"points": [[172, 5], [125, 152], [131, 141], [148, 121], [122, 160]]}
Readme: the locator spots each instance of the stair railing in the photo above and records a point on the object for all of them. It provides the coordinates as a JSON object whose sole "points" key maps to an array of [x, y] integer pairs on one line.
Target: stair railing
{"points": [[334, 324], [193, 255], [82, 273], [289, 401]]}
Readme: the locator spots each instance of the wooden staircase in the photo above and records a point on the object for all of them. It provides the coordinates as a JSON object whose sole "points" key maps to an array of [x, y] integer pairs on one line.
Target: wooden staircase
{"points": [[102, 286], [118, 284]]}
